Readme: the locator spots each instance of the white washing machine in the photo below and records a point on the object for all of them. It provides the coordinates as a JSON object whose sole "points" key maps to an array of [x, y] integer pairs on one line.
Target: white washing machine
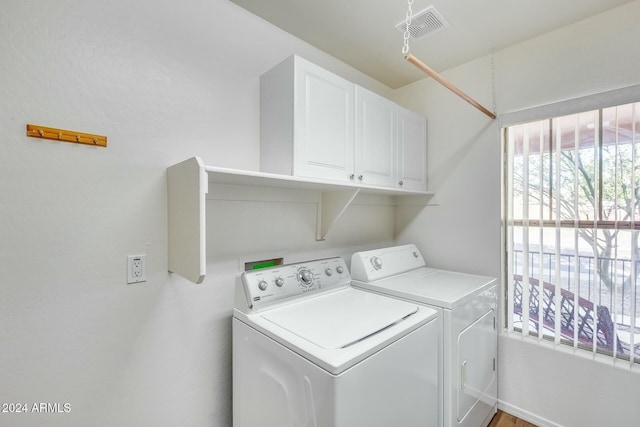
{"points": [[468, 304], [310, 350]]}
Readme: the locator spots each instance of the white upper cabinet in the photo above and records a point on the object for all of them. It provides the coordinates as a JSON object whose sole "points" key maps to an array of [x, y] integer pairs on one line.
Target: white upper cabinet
{"points": [[306, 122], [412, 150], [315, 124], [376, 141]]}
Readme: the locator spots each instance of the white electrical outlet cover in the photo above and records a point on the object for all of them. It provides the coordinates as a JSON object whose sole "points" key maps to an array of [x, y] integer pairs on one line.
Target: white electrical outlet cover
{"points": [[136, 269]]}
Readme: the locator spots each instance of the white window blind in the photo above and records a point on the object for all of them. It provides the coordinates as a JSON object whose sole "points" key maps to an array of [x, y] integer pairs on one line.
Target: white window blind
{"points": [[572, 209]]}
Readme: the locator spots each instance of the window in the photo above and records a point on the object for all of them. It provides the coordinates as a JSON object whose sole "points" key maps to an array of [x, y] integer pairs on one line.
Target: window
{"points": [[572, 230]]}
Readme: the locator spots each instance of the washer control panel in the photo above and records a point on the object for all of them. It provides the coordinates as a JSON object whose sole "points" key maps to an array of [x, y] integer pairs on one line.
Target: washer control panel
{"points": [[269, 285]]}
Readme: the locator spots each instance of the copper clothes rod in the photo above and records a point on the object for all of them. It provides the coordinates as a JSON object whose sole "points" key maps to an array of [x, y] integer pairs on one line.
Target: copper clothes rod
{"points": [[415, 61]]}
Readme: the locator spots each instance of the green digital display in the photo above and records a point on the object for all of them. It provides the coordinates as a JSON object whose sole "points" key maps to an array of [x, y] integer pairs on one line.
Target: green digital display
{"points": [[266, 264], [263, 263]]}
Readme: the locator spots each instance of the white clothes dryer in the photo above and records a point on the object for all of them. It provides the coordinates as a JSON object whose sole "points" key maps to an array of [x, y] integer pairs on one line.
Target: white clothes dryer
{"points": [[468, 304], [310, 350]]}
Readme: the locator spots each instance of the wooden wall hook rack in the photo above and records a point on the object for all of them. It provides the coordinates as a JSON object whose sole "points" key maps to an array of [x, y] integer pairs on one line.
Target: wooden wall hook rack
{"points": [[43, 132]]}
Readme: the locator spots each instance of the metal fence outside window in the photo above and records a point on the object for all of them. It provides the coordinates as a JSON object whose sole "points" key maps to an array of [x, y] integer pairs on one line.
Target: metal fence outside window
{"points": [[578, 276]]}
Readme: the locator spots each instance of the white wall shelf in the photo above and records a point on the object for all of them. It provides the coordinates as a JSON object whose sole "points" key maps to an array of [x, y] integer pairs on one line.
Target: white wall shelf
{"points": [[188, 185]]}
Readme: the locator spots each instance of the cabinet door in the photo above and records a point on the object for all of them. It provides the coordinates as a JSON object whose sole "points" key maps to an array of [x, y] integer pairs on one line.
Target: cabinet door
{"points": [[323, 124], [412, 150], [376, 137]]}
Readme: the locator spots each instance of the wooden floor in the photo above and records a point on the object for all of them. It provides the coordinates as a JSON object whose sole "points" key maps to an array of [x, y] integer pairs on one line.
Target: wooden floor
{"points": [[502, 419]]}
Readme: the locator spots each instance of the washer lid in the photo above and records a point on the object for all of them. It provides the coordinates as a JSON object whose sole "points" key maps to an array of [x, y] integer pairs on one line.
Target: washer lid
{"points": [[446, 289], [339, 329], [339, 320]]}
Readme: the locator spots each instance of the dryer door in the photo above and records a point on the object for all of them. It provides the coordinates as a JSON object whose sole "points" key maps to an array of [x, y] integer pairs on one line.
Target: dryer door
{"points": [[476, 357]]}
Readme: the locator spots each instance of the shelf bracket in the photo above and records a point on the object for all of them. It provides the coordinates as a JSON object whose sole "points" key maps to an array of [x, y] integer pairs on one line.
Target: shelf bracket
{"points": [[331, 206]]}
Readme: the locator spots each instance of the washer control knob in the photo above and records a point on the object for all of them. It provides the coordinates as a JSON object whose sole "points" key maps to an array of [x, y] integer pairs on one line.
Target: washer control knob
{"points": [[376, 262], [328, 271], [339, 269], [262, 285], [306, 277], [279, 282], [415, 254]]}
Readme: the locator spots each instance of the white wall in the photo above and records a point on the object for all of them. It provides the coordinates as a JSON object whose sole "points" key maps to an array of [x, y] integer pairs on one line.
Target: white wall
{"points": [[165, 81], [542, 384]]}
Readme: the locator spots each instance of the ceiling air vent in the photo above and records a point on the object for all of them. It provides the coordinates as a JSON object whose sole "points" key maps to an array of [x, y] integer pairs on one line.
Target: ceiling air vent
{"points": [[424, 23]]}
